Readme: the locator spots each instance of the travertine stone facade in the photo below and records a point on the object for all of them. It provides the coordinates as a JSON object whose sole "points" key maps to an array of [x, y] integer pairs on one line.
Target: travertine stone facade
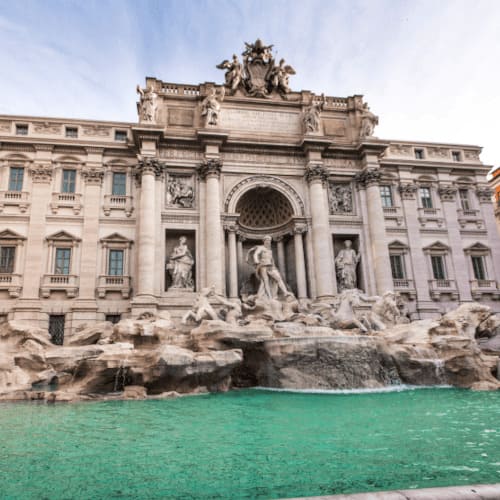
{"points": [[90, 211]]}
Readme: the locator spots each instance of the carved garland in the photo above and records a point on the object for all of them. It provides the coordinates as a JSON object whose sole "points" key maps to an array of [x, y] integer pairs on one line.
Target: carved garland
{"points": [[447, 192], [41, 173], [407, 191], [93, 175], [260, 181]]}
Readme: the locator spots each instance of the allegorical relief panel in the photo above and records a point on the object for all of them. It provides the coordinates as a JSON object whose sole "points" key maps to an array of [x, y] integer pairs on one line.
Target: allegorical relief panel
{"points": [[340, 199], [180, 191]]}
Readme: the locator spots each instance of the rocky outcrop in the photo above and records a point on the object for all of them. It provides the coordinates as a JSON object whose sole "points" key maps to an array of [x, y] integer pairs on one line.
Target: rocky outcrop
{"points": [[150, 357]]}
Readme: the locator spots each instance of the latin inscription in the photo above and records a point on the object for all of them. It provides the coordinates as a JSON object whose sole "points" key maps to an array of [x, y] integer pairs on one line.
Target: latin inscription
{"points": [[260, 121]]}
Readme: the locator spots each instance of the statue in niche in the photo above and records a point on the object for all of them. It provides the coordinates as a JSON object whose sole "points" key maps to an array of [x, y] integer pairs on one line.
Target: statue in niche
{"points": [[368, 121], [180, 265], [346, 261], [234, 72], [311, 116], [180, 193], [270, 280], [279, 77], [147, 105], [340, 199], [210, 106]]}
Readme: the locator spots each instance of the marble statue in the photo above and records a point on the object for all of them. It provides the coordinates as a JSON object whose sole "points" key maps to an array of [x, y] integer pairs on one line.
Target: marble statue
{"points": [[210, 106], [180, 193], [270, 280], [311, 116], [180, 265], [368, 121], [201, 308], [346, 261], [234, 73], [278, 77], [344, 316], [148, 105]]}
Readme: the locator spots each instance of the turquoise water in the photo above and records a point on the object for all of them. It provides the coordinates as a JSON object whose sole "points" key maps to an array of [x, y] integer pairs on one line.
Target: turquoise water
{"points": [[249, 444]]}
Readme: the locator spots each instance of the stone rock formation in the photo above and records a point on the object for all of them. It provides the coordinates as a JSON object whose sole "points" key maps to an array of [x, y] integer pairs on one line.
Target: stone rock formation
{"points": [[152, 357]]}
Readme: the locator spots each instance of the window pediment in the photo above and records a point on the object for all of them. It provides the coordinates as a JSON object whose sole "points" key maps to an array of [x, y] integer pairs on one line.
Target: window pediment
{"points": [[7, 234], [62, 237], [437, 248], [477, 249]]}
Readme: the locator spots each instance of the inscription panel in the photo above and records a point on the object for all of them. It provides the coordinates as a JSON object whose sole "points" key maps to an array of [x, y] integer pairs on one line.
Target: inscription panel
{"points": [[181, 117], [251, 120]]}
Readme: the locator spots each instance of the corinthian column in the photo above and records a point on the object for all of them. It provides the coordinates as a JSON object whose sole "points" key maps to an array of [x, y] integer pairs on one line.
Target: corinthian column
{"points": [[209, 171], [147, 171], [233, 260], [300, 264], [321, 237], [369, 179]]}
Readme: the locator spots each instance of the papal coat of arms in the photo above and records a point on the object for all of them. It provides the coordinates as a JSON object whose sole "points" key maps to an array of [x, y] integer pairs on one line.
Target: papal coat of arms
{"points": [[258, 75]]}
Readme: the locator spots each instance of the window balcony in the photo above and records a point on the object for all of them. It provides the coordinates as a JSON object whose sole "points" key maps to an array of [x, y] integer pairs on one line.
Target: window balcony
{"points": [[14, 198], [484, 287], [428, 212], [118, 202], [13, 283], [467, 213], [59, 282], [443, 287], [108, 283], [405, 286], [66, 200], [393, 214]]}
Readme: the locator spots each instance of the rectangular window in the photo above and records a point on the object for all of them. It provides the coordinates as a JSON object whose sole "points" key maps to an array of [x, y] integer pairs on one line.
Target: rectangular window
{"points": [[397, 267], [438, 270], [456, 156], [386, 195], [120, 135], [7, 256], [464, 199], [63, 261], [71, 132], [478, 267], [16, 177], [425, 197], [68, 181], [113, 318], [119, 184], [56, 328], [419, 154], [115, 264], [21, 129]]}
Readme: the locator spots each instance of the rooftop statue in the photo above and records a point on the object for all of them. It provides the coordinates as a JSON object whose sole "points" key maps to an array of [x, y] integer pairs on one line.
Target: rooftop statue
{"points": [[368, 121], [311, 115], [258, 76], [147, 105], [210, 106]]}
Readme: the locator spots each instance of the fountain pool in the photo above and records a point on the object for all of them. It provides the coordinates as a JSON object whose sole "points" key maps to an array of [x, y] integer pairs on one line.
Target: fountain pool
{"points": [[249, 444]]}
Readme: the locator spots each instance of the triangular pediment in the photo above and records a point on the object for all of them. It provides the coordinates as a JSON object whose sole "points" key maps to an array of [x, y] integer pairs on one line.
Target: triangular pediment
{"points": [[437, 245], [8, 234], [115, 237], [477, 247], [62, 236], [396, 244]]}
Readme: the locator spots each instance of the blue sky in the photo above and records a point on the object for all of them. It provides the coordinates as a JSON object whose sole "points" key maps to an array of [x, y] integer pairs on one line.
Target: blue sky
{"points": [[429, 68]]}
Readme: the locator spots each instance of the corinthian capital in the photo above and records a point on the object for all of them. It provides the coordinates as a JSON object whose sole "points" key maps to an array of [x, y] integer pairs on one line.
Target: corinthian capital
{"points": [[407, 190], [447, 192], [41, 173], [316, 173], [368, 177], [150, 166], [209, 168]]}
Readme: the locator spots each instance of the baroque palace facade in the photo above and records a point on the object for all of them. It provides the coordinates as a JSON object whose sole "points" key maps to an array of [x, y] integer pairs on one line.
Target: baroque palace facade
{"points": [[91, 212]]}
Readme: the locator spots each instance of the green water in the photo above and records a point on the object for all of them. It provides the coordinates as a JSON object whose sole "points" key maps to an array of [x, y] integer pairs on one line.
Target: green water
{"points": [[249, 444]]}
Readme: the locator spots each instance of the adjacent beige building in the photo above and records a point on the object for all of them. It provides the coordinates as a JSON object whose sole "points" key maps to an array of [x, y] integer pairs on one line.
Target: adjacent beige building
{"points": [[91, 211]]}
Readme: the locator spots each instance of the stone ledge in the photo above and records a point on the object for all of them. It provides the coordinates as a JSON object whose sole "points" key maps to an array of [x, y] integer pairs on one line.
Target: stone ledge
{"points": [[470, 492]]}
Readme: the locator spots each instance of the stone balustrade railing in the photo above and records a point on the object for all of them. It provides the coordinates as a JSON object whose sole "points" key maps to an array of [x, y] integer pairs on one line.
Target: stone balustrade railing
{"points": [[111, 283], [59, 282]]}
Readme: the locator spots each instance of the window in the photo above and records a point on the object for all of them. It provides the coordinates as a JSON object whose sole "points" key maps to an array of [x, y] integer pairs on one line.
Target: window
{"points": [[438, 269], [386, 195], [63, 261], [21, 129], [56, 328], [120, 135], [425, 197], [456, 156], [16, 177], [397, 267], [7, 256], [419, 154], [115, 263], [68, 181], [464, 199], [478, 267], [119, 184], [71, 132], [113, 318]]}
